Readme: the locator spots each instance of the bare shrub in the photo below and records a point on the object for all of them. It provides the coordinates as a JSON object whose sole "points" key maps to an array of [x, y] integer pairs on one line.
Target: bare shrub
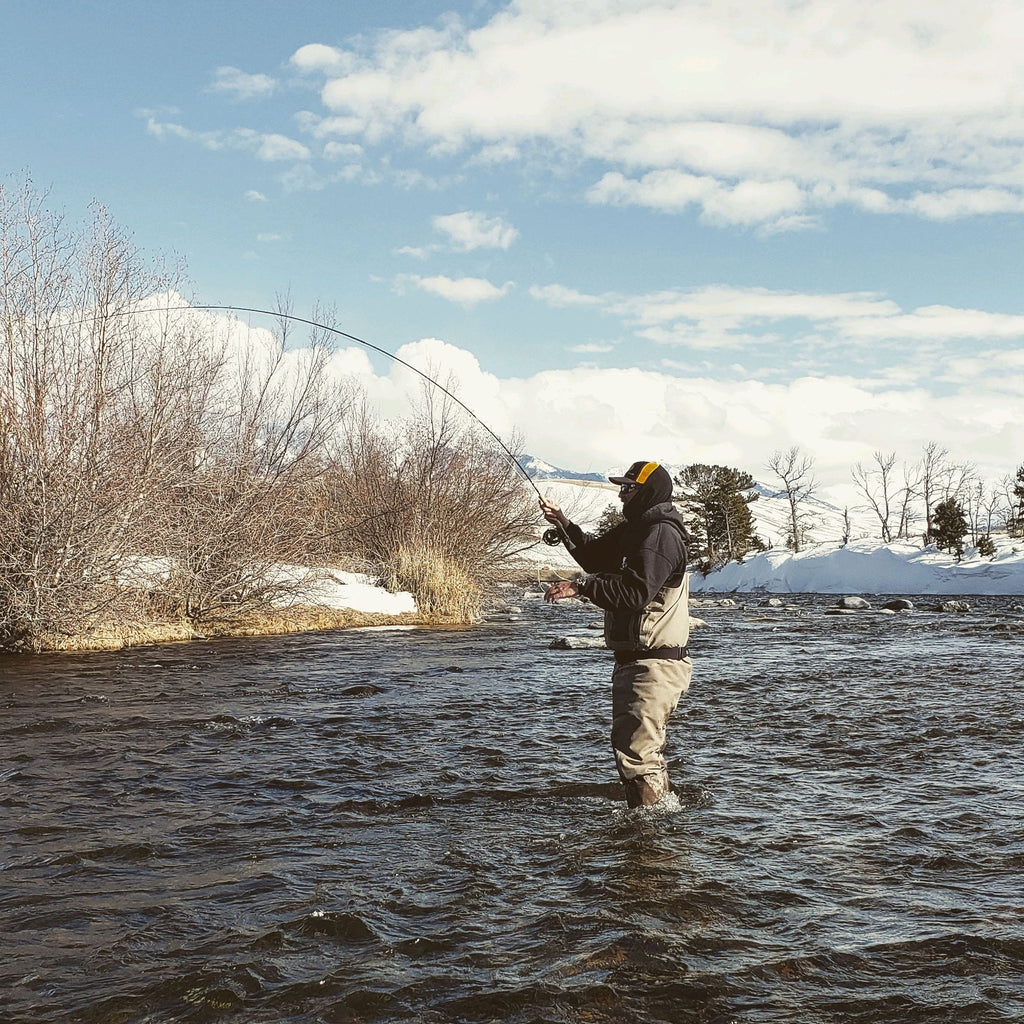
{"points": [[237, 514], [432, 503], [151, 464], [74, 482]]}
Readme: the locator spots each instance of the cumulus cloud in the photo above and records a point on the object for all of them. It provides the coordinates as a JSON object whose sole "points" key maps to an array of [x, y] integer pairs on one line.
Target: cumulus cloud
{"points": [[242, 86], [470, 230], [609, 417], [466, 291], [316, 57], [765, 119]]}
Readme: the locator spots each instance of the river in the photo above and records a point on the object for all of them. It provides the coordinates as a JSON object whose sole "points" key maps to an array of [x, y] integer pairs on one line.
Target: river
{"points": [[425, 826]]}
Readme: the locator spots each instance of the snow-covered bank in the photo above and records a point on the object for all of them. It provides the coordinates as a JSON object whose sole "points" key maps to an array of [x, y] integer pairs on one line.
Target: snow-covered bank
{"points": [[358, 592], [867, 567]]}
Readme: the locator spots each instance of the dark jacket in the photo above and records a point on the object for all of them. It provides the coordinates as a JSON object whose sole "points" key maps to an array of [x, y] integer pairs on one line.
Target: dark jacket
{"points": [[637, 574]]}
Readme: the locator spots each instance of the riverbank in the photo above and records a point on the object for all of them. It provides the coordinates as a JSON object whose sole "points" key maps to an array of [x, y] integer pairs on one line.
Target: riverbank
{"points": [[277, 622]]}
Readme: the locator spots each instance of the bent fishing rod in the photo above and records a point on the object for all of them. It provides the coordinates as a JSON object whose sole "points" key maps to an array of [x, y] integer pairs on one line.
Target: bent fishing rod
{"points": [[553, 536]]}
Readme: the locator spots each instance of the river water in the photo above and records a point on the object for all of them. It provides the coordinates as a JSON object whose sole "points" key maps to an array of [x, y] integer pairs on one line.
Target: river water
{"points": [[412, 825]]}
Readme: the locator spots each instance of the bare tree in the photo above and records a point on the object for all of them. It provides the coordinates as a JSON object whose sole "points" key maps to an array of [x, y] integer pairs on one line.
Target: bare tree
{"points": [[933, 465], [907, 496], [795, 470], [876, 485]]}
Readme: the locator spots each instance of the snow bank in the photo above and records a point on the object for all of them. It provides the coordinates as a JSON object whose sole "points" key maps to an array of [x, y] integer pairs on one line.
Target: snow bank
{"points": [[357, 591], [866, 567]]}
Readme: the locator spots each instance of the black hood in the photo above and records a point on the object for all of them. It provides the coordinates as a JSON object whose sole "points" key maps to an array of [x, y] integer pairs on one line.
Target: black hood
{"points": [[654, 491]]}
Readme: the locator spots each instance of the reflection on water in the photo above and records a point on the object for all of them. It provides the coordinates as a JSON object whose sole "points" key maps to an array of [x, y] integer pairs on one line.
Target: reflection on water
{"points": [[425, 826]]}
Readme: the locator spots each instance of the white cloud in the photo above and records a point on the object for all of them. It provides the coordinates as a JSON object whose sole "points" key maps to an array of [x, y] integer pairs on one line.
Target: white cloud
{"points": [[764, 115], [720, 316], [415, 251], [303, 178], [611, 417], [466, 291], [255, 197], [319, 58], [349, 151], [265, 146], [591, 348], [278, 147], [559, 296], [470, 230], [242, 86]]}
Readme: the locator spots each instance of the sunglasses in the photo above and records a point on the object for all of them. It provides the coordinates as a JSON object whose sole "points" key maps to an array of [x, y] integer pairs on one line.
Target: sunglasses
{"points": [[627, 488]]}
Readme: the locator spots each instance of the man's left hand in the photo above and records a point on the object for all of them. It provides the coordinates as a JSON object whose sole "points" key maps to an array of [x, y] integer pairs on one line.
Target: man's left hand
{"points": [[563, 588]]}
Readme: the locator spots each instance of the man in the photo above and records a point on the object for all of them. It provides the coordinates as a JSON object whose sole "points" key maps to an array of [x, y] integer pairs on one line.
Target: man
{"points": [[637, 574]]}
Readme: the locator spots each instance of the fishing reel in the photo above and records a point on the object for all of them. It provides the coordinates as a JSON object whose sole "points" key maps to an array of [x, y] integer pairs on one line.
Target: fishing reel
{"points": [[553, 536]]}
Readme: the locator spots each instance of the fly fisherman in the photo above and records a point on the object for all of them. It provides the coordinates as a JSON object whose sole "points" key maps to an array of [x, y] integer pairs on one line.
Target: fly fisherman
{"points": [[637, 574]]}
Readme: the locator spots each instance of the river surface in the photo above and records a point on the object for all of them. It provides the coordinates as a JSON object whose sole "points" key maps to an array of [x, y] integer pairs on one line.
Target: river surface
{"points": [[425, 826]]}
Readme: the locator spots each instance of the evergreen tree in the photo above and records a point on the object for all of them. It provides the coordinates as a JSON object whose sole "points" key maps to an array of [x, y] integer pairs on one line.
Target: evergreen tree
{"points": [[610, 518], [716, 502], [949, 526], [1015, 520]]}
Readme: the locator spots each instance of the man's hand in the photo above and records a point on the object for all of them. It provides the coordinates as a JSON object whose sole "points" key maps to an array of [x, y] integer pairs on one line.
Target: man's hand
{"points": [[563, 588], [552, 512]]}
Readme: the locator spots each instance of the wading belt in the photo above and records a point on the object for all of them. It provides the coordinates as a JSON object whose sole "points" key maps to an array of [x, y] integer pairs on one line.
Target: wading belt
{"points": [[666, 653]]}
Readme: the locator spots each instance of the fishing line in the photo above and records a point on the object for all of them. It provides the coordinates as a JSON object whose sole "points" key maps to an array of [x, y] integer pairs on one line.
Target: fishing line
{"points": [[359, 341]]}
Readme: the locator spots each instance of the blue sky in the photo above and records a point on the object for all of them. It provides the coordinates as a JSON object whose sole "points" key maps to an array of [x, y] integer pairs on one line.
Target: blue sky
{"points": [[634, 229]]}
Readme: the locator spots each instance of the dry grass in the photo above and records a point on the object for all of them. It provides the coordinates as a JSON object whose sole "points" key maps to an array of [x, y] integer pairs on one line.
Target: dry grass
{"points": [[443, 589], [297, 619]]}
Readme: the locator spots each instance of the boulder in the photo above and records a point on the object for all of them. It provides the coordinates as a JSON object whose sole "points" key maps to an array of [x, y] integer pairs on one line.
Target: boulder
{"points": [[953, 606], [576, 643], [854, 604], [772, 602], [899, 604]]}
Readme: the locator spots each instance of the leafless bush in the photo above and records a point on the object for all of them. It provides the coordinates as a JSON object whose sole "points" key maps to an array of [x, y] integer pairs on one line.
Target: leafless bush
{"points": [[74, 485], [241, 508], [146, 464], [433, 503]]}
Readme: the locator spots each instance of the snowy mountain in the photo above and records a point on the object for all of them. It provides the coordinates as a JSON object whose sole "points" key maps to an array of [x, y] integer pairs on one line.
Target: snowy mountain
{"points": [[538, 469]]}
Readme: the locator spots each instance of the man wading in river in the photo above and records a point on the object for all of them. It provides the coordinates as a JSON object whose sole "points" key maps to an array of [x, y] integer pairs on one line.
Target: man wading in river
{"points": [[637, 574]]}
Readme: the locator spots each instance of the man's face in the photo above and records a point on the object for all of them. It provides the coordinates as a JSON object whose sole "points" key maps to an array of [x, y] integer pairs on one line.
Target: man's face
{"points": [[627, 492]]}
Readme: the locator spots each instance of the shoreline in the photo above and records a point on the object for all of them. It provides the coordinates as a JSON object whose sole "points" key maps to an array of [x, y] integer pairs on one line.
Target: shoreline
{"points": [[295, 619]]}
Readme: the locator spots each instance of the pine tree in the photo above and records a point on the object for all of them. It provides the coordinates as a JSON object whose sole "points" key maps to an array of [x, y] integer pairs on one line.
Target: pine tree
{"points": [[716, 501], [1015, 520], [610, 518], [949, 526]]}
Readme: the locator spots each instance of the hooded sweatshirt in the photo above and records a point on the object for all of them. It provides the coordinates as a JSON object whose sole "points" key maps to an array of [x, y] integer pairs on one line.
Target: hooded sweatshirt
{"points": [[637, 571]]}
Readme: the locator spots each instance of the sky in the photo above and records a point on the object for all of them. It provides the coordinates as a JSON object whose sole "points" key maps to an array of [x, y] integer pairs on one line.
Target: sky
{"points": [[631, 229]]}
